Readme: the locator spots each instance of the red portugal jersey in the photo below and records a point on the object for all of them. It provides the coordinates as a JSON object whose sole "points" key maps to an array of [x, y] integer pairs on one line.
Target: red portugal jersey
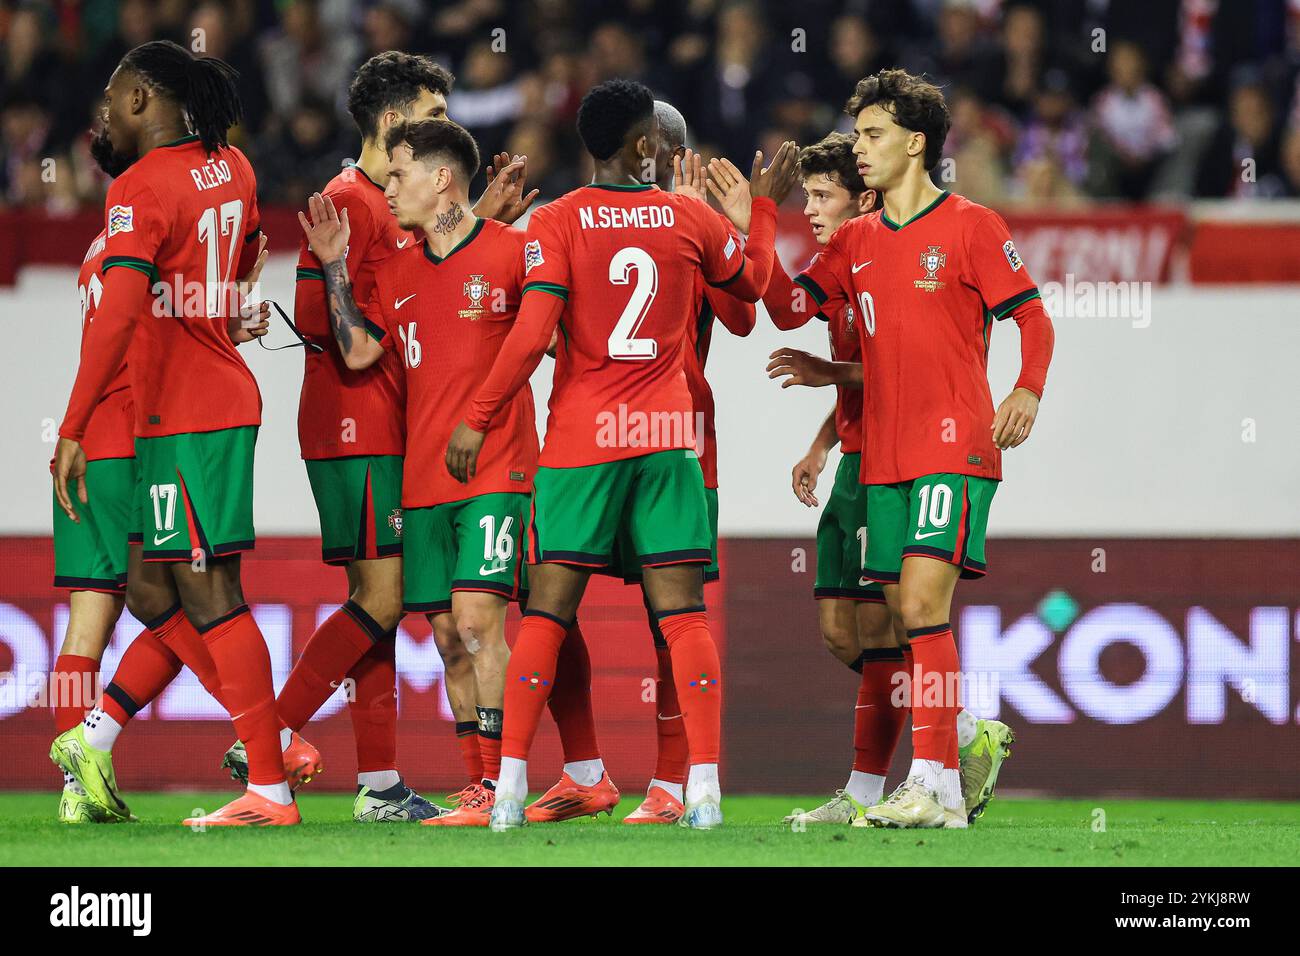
{"points": [[187, 218], [111, 430], [925, 295], [624, 258], [843, 332], [447, 318], [344, 412]]}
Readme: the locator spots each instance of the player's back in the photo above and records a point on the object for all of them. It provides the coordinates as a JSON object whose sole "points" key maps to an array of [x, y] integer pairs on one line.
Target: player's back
{"points": [[187, 217], [626, 259]]}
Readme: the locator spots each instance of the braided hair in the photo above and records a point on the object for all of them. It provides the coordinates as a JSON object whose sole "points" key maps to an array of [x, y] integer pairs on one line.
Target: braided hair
{"points": [[203, 87]]}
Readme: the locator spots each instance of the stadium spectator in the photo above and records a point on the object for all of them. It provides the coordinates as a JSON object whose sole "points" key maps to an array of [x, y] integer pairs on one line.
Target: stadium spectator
{"points": [[1134, 126], [1244, 159]]}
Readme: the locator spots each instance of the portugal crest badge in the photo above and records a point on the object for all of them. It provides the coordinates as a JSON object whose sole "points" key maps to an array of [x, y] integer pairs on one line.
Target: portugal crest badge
{"points": [[932, 260], [476, 290]]}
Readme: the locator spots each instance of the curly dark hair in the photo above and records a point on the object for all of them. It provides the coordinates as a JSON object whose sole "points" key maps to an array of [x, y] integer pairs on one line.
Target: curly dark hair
{"points": [[393, 81], [833, 156], [915, 102], [203, 87], [612, 110], [436, 137]]}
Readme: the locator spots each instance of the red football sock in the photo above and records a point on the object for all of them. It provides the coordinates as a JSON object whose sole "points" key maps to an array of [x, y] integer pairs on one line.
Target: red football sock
{"points": [[73, 684], [244, 666], [570, 702], [934, 677], [374, 706], [178, 634], [697, 674], [144, 672], [341, 640], [489, 741], [877, 720], [673, 752], [530, 678], [467, 737]]}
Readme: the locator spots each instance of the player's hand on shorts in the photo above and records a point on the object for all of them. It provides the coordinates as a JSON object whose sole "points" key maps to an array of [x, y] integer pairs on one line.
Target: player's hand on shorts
{"points": [[688, 175], [800, 368], [803, 479], [504, 198], [462, 452], [776, 179], [69, 466], [254, 318], [731, 189], [1015, 418], [327, 230]]}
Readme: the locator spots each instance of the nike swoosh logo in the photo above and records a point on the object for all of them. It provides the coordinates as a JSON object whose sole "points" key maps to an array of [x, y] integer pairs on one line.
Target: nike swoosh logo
{"points": [[915, 729], [864, 582], [401, 243], [157, 540], [858, 268], [398, 303], [863, 706], [928, 534], [484, 571]]}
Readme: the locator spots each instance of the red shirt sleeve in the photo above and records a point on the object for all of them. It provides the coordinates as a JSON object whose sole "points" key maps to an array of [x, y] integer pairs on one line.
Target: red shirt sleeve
{"points": [[746, 275], [252, 229], [996, 269], [135, 230], [736, 315], [817, 291]]}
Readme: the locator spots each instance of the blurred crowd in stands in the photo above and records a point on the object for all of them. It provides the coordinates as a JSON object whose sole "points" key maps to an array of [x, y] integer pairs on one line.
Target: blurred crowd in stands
{"points": [[1055, 103]]}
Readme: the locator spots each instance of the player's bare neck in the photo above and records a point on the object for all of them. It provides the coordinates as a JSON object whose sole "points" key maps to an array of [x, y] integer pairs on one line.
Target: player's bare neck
{"points": [[912, 195], [615, 173], [373, 161], [160, 132]]}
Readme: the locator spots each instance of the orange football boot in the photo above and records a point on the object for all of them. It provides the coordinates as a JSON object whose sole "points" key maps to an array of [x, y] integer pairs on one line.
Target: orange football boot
{"points": [[250, 810], [567, 801], [464, 793], [473, 809], [659, 806], [301, 762]]}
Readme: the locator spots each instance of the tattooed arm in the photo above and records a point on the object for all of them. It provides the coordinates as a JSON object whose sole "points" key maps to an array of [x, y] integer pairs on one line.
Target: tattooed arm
{"points": [[327, 234]]}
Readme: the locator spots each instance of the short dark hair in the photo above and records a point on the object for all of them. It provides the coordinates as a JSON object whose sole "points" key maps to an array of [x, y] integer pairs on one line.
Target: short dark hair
{"points": [[393, 81], [610, 111], [915, 102], [833, 156], [436, 138]]}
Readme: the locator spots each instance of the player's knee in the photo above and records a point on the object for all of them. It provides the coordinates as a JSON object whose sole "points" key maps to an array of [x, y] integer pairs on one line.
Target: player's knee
{"points": [[919, 610], [841, 642], [148, 604], [478, 629], [384, 607]]}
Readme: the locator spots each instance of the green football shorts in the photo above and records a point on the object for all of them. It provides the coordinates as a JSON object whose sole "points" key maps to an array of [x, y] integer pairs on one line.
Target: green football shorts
{"points": [[470, 545], [941, 516], [91, 555], [655, 502], [624, 563], [195, 494], [359, 500], [842, 539]]}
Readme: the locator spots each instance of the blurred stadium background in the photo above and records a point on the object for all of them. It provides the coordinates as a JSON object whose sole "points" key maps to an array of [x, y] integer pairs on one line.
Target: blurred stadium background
{"points": [[1140, 625]]}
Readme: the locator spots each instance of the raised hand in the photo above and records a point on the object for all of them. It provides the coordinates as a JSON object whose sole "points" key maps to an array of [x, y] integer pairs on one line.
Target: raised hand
{"points": [[731, 189], [778, 178], [327, 231], [688, 175], [504, 198]]}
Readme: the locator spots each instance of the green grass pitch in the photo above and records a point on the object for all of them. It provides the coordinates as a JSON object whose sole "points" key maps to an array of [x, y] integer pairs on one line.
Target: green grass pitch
{"points": [[1013, 832]]}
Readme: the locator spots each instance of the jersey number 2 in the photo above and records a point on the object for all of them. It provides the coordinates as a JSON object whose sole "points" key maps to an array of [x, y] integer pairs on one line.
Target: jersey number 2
{"points": [[623, 343]]}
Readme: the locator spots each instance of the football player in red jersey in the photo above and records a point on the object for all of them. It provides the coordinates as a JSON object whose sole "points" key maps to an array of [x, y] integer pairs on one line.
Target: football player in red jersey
{"points": [[185, 214], [584, 788], [90, 555], [452, 296], [927, 274], [352, 435], [619, 444]]}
